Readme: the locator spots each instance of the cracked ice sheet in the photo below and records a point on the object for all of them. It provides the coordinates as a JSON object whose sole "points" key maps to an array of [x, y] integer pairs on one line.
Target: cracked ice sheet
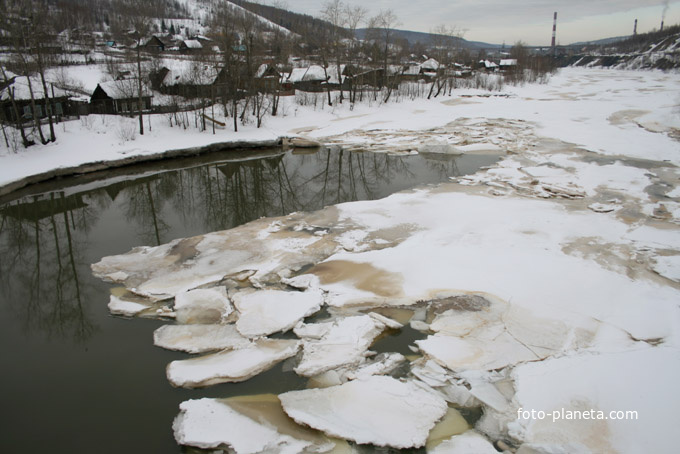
{"points": [[264, 312], [343, 343], [377, 410], [642, 379], [232, 365], [512, 248], [164, 271]]}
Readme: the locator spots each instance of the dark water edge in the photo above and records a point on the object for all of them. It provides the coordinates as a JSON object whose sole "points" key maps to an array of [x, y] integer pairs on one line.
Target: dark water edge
{"points": [[74, 378]]}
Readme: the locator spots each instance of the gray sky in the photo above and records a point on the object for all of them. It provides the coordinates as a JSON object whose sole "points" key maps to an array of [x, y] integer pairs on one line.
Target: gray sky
{"points": [[498, 21]]}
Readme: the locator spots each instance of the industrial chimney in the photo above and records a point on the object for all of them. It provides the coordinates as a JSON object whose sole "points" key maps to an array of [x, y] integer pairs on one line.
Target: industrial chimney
{"points": [[554, 32], [635, 28]]}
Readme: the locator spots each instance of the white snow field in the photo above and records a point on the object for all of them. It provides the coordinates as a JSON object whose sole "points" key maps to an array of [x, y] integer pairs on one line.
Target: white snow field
{"points": [[545, 288]]}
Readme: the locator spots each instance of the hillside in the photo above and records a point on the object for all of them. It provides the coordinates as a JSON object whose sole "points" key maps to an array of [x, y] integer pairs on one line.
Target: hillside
{"points": [[654, 50], [427, 39]]}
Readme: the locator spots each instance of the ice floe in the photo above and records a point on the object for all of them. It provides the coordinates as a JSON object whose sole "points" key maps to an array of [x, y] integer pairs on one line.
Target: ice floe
{"points": [[231, 365], [265, 312], [344, 343], [378, 410], [199, 338]]}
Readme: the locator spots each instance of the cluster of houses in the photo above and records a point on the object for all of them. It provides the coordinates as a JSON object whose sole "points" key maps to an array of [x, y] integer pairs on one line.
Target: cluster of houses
{"points": [[192, 79]]}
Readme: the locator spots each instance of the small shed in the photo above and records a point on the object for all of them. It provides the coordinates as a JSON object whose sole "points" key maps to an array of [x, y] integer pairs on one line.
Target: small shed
{"points": [[119, 97]]}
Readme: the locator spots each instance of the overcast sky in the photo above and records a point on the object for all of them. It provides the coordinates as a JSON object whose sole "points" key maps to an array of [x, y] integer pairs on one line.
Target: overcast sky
{"points": [[498, 21]]}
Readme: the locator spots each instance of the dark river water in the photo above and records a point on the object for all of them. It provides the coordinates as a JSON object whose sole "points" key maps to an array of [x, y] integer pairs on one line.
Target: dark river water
{"points": [[75, 379]]}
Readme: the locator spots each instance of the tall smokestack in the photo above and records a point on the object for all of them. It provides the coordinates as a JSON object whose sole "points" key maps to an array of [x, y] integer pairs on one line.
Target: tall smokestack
{"points": [[661, 29], [635, 28], [554, 30]]}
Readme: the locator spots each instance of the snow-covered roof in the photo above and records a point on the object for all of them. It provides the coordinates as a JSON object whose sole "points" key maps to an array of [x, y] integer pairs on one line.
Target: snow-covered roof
{"points": [[194, 74], [508, 62], [193, 44], [430, 64], [22, 92], [332, 72], [310, 74], [123, 89], [488, 64]]}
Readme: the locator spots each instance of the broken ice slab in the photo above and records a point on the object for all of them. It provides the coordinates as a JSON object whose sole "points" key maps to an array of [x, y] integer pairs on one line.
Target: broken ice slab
{"points": [[127, 304], [378, 410], [263, 312], [466, 443], [162, 272], [119, 306], [345, 343], [381, 364], [231, 366], [202, 306], [199, 338], [244, 425], [439, 147]]}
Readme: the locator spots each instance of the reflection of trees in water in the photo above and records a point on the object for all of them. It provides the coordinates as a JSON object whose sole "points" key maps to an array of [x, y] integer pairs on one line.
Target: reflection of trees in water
{"points": [[40, 244], [42, 239]]}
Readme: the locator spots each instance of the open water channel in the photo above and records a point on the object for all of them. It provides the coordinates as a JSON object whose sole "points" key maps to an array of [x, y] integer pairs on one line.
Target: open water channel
{"points": [[75, 379]]}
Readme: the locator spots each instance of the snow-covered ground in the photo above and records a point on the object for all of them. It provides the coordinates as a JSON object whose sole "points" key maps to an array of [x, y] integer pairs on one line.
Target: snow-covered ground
{"points": [[545, 288]]}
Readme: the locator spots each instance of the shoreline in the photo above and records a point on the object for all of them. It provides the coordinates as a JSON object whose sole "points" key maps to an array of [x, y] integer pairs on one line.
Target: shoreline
{"points": [[97, 166]]}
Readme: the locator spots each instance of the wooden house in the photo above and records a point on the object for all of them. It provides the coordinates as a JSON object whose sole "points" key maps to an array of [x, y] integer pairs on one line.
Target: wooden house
{"points": [[119, 97], [17, 87], [154, 44]]}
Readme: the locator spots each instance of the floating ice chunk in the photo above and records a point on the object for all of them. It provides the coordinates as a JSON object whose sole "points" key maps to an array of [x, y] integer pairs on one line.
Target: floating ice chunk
{"points": [[388, 322], [382, 364], [230, 366], [118, 306], [199, 338], [202, 306], [265, 312], [469, 442], [481, 146], [213, 423], [604, 207], [440, 147], [312, 330], [345, 343], [377, 410]]}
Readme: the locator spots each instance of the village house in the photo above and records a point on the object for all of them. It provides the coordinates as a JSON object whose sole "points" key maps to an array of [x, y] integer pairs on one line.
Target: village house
{"points": [[119, 97], [189, 46], [18, 88], [154, 44]]}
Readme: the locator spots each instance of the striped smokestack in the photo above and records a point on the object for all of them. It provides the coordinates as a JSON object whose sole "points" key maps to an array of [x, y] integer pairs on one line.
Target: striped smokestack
{"points": [[554, 32]]}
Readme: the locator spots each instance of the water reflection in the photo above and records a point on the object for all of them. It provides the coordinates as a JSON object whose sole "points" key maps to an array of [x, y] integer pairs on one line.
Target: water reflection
{"points": [[48, 240]]}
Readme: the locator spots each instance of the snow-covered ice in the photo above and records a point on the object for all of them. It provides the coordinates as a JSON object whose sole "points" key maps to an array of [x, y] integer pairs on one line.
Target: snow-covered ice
{"points": [[377, 410], [267, 311], [231, 365], [199, 338]]}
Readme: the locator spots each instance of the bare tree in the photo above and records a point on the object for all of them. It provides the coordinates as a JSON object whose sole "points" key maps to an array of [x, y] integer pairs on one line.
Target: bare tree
{"points": [[333, 11], [354, 15]]}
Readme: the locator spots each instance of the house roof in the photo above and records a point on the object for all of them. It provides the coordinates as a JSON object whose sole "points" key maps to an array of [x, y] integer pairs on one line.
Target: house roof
{"points": [[193, 44], [430, 64], [22, 92], [508, 62], [183, 72], [312, 73], [123, 89]]}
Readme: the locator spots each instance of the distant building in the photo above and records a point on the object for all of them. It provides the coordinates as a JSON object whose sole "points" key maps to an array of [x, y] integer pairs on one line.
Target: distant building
{"points": [[190, 46], [154, 44], [18, 88]]}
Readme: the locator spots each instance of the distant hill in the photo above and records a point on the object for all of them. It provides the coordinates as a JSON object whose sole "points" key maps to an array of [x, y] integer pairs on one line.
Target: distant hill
{"points": [[426, 39], [601, 42]]}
